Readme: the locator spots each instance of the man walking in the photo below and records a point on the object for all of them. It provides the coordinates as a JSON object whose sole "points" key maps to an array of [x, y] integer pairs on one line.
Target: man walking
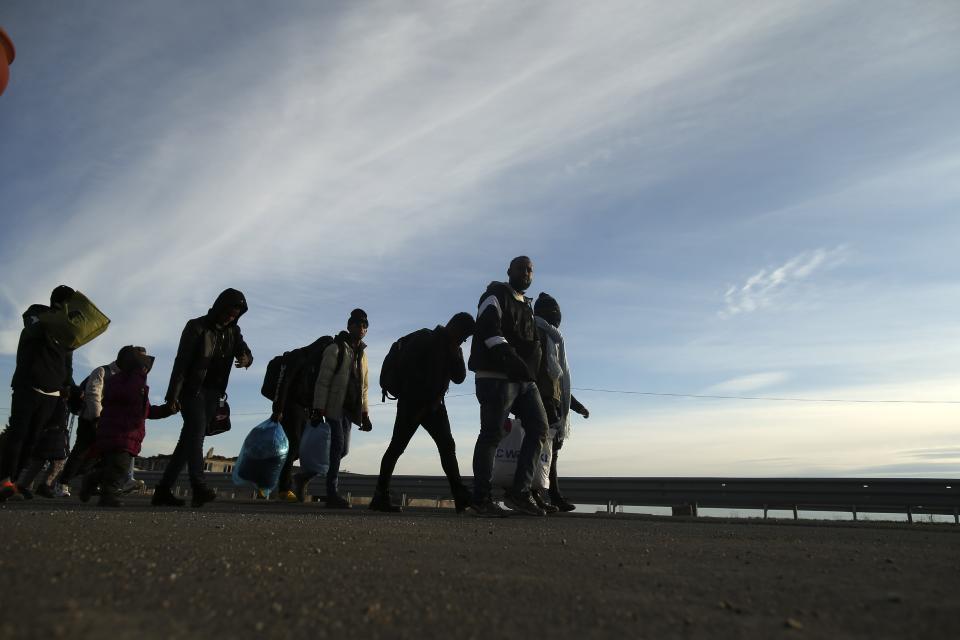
{"points": [[208, 346], [428, 361], [340, 398], [505, 354]]}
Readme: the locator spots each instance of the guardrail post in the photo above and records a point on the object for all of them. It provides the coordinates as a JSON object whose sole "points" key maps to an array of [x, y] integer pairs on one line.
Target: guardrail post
{"points": [[764, 512], [796, 515], [910, 515], [854, 513], [956, 516]]}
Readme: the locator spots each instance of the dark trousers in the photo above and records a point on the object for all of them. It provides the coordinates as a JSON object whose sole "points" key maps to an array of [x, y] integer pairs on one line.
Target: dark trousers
{"points": [[554, 485], [30, 411], [197, 411], [498, 399], [339, 447], [437, 424], [293, 421], [77, 462], [111, 472]]}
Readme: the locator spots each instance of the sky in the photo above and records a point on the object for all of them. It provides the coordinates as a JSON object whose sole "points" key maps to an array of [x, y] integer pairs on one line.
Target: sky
{"points": [[736, 199]]}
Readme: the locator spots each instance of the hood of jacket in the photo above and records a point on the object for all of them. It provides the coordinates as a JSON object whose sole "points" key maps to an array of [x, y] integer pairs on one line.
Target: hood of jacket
{"points": [[33, 313], [228, 299]]}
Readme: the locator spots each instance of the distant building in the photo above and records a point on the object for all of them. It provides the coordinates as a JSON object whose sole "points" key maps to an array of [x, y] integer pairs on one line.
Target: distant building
{"points": [[211, 463]]}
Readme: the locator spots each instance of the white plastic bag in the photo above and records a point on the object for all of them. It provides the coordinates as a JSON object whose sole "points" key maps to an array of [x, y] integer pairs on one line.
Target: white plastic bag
{"points": [[505, 461], [315, 448]]}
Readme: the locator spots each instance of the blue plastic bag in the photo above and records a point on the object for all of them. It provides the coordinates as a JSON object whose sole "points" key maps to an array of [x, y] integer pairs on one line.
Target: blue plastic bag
{"points": [[261, 457], [315, 448]]}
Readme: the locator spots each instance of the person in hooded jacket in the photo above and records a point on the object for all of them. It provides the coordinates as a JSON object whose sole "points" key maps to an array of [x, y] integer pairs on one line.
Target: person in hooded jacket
{"points": [[553, 382], [208, 347], [122, 425], [340, 399], [43, 375], [429, 359]]}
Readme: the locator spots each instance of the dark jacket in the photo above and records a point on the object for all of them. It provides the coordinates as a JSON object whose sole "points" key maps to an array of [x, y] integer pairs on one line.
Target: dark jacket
{"points": [[42, 363], [505, 342], [428, 363], [295, 385], [206, 352], [126, 407]]}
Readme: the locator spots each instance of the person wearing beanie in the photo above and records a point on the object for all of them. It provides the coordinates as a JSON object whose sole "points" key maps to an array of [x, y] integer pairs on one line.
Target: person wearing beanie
{"points": [[553, 382], [427, 361], [505, 355], [43, 375], [122, 426], [340, 399], [209, 346]]}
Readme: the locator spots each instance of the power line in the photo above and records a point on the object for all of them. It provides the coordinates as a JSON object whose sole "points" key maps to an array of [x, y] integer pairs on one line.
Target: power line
{"points": [[765, 398]]}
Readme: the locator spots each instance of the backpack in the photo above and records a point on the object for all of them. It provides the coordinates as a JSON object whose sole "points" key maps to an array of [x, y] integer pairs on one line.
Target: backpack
{"points": [[390, 375], [273, 376], [303, 365]]}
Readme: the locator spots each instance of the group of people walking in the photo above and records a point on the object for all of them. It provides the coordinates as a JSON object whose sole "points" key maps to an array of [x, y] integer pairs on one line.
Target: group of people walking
{"points": [[517, 354]]}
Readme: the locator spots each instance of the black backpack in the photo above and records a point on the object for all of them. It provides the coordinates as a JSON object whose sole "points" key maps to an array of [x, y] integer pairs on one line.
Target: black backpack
{"points": [[390, 374], [303, 367]]}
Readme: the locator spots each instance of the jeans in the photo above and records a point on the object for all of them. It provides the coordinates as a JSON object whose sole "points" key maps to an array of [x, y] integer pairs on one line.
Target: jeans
{"points": [[293, 421], [498, 399], [30, 411], [197, 411], [339, 447], [437, 424], [77, 460]]}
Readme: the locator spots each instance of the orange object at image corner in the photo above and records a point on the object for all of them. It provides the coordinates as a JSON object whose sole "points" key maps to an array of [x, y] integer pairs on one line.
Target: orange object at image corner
{"points": [[7, 54]]}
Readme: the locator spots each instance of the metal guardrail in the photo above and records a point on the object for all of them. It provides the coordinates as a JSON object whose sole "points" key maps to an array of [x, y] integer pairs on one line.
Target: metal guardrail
{"points": [[685, 496]]}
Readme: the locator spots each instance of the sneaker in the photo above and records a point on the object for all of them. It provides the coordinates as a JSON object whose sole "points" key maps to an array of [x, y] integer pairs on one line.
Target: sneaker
{"points": [[462, 501], [163, 497], [46, 491], [8, 491], [108, 499], [337, 501], [300, 486], [25, 492], [87, 487], [131, 485], [202, 494], [488, 509], [522, 502], [287, 496], [561, 503], [261, 494], [381, 502], [545, 506]]}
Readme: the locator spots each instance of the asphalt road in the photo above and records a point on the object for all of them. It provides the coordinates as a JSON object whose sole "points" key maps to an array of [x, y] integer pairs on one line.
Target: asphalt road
{"points": [[253, 569]]}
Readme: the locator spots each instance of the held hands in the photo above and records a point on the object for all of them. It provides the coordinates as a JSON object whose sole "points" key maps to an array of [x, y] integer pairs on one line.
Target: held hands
{"points": [[173, 406], [365, 424]]}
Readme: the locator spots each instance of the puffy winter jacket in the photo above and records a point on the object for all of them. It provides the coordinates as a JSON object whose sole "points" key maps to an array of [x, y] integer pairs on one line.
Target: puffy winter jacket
{"points": [[42, 362], [206, 352], [126, 407], [330, 391]]}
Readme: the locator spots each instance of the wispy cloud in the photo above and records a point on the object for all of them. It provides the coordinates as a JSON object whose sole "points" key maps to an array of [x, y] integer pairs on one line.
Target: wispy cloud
{"points": [[772, 285], [749, 383]]}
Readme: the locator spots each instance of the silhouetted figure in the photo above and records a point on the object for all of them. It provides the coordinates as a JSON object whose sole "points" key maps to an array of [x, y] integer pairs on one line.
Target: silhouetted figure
{"points": [[208, 346], [92, 388], [553, 382], [428, 360], [505, 354]]}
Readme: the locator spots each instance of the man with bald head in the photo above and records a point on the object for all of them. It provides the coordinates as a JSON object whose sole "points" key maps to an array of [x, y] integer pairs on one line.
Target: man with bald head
{"points": [[505, 355]]}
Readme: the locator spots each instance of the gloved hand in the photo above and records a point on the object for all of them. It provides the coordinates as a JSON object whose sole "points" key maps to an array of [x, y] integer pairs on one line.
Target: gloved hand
{"points": [[365, 424], [244, 361]]}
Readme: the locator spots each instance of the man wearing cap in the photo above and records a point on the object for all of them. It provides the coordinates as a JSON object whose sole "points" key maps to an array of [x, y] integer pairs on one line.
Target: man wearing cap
{"points": [[340, 398]]}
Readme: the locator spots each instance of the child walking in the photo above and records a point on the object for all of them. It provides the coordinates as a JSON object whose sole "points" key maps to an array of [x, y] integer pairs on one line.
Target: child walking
{"points": [[122, 427]]}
